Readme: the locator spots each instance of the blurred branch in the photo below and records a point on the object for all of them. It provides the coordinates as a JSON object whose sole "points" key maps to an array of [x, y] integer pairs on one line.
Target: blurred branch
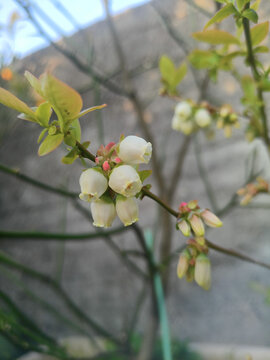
{"points": [[199, 8], [57, 288], [86, 69]]}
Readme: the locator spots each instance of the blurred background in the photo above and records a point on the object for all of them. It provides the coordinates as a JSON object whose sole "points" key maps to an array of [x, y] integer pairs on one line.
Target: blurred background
{"points": [[95, 274]]}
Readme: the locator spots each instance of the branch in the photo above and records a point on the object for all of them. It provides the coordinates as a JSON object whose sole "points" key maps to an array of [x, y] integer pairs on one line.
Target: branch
{"points": [[256, 75]]}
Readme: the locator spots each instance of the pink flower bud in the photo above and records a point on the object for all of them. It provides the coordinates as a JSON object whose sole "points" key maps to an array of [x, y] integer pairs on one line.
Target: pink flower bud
{"points": [[211, 219], [109, 146], [197, 225], [97, 160], [117, 160], [106, 166]]}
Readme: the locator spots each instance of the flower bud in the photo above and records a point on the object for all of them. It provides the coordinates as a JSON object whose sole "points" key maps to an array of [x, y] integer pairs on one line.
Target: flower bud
{"points": [[127, 209], [203, 271], [135, 150], [186, 127], [203, 117], [197, 225], [103, 212], [184, 227], [211, 219], [93, 184], [183, 264], [176, 123], [125, 180], [183, 110]]}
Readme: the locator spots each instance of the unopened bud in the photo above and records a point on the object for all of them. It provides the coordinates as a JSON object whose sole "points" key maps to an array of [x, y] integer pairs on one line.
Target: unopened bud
{"points": [[211, 219], [183, 263], [203, 118], [103, 212], [125, 180], [184, 227], [183, 110], [197, 225], [93, 184], [135, 150], [106, 166], [202, 273]]}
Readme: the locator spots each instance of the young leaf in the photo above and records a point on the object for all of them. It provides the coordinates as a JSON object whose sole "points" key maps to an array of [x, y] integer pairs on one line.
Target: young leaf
{"points": [[86, 111], [34, 82], [167, 68], [144, 174], [41, 135], [43, 113], [63, 98], [261, 49], [226, 11], [203, 59], [251, 15], [50, 143], [11, 101], [240, 4], [70, 157], [75, 129], [259, 33], [216, 37], [255, 5], [180, 73]]}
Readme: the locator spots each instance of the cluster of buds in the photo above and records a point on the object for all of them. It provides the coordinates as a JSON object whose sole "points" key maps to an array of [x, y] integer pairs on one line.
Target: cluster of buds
{"points": [[112, 185], [194, 264], [227, 120], [193, 261], [253, 189], [189, 117]]}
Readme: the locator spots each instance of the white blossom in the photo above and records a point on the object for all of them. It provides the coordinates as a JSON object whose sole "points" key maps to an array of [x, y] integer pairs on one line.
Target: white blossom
{"points": [[93, 184], [103, 212], [135, 150], [127, 209], [125, 180]]}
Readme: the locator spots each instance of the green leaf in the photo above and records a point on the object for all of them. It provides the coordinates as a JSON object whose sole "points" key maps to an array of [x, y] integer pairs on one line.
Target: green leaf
{"points": [[216, 37], [70, 140], [202, 59], [259, 33], [75, 129], [144, 174], [62, 97], [223, 13], [11, 101], [251, 15], [249, 89], [265, 84], [86, 111], [43, 113], [261, 49], [50, 143], [167, 68], [34, 82], [255, 5], [240, 4], [70, 157], [180, 73], [41, 135]]}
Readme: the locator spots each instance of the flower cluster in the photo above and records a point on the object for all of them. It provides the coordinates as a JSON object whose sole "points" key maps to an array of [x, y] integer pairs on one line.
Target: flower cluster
{"points": [[112, 185], [193, 261], [227, 120], [251, 190], [188, 118]]}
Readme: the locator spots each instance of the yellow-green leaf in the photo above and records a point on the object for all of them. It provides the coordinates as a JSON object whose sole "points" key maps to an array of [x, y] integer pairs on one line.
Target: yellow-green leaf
{"points": [[203, 59], [11, 101], [34, 82], [259, 33], [144, 174], [216, 37], [251, 15], [41, 135], [62, 97], [75, 129], [261, 49], [70, 157], [255, 5], [50, 143], [241, 3], [223, 13], [167, 68], [43, 113], [86, 111], [180, 73]]}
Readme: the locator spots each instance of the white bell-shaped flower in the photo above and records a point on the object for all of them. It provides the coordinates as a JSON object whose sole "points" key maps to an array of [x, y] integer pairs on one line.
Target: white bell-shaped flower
{"points": [[202, 117], [127, 209], [125, 180], [103, 212], [134, 150], [93, 184], [183, 110]]}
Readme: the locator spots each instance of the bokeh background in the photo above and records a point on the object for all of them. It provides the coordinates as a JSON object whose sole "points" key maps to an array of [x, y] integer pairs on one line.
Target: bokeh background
{"points": [[235, 311]]}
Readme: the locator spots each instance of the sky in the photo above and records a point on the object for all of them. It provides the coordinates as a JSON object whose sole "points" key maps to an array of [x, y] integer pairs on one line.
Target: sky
{"points": [[24, 39]]}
